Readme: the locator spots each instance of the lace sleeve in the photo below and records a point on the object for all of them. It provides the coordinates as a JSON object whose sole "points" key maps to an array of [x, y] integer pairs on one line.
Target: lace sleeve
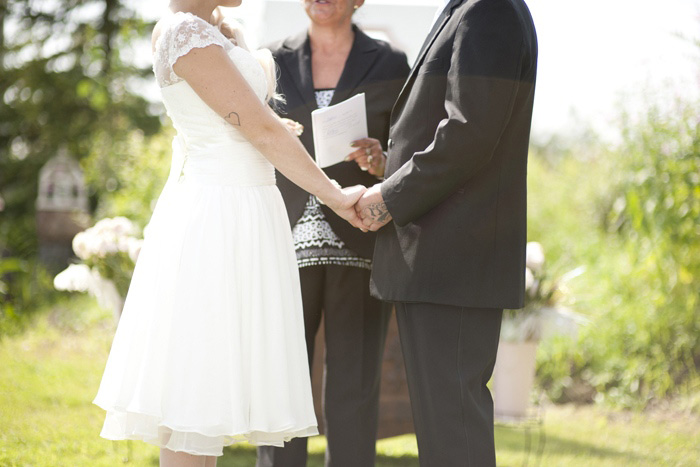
{"points": [[186, 32]]}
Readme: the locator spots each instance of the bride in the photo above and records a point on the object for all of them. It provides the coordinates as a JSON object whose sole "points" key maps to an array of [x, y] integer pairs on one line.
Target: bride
{"points": [[210, 348]]}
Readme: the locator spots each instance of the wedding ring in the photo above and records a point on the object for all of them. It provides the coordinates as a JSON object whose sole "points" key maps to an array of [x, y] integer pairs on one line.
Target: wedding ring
{"points": [[368, 152], [369, 160]]}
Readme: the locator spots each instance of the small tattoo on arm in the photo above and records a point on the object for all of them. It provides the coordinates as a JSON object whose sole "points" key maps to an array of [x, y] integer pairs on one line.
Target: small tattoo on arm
{"points": [[233, 118], [377, 212]]}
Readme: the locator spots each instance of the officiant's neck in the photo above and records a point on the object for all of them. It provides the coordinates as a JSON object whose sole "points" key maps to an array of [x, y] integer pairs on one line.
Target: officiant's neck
{"points": [[331, 38]]}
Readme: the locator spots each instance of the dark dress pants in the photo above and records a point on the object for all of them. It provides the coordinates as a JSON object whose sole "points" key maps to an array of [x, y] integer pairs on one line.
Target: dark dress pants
{"points": [[355, 326], [449, 353]]}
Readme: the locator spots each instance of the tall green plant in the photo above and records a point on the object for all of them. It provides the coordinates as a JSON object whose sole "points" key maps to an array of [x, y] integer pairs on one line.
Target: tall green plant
{"points": [[636, 227], [658, 214]]}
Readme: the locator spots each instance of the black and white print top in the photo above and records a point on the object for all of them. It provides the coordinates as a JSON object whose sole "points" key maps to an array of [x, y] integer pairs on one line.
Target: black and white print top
{"points": [[314, 240]]}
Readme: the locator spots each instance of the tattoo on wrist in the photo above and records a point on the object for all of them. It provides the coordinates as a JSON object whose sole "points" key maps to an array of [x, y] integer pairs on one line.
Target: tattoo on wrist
{"points": [[233, 118], [377, 212]]}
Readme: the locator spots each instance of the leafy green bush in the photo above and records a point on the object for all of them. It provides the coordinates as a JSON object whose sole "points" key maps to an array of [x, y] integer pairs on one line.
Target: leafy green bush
{"points": [[24, 287], [129, 184], [631, 215]]}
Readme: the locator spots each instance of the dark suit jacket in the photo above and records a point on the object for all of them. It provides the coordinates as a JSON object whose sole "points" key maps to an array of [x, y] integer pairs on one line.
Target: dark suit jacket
{"points": [[373, 67], [456, 170]]}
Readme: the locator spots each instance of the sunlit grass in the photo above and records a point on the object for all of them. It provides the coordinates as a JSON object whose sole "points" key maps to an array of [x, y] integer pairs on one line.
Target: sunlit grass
{"points": [[49, 375]]}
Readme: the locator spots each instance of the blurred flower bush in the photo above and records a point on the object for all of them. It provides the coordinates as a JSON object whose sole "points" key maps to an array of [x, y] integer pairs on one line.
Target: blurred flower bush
{"points": [[109, 251]]}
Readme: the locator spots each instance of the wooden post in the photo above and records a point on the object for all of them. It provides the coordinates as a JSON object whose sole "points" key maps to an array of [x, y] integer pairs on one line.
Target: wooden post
{"points": [[394, 405]]}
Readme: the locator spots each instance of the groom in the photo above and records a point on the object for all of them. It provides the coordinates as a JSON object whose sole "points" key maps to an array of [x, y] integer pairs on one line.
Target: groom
{"points": [[452, 254]]}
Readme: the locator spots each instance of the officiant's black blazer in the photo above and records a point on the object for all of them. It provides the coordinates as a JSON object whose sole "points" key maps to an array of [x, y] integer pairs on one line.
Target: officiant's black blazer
{"points": [[373, 67], [457, 159]]}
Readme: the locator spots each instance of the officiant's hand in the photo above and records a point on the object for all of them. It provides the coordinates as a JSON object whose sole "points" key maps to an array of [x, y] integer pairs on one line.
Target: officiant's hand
{"points": [[369, 156], [295, 127], [344, 205], [372, 209]]}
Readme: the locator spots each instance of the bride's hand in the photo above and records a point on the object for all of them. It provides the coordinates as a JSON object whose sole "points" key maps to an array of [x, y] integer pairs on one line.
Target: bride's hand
{"points": [[343, 204]]}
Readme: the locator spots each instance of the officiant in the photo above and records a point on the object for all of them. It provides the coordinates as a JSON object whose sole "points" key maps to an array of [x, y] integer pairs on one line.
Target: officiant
{"points": [[328, 63]]}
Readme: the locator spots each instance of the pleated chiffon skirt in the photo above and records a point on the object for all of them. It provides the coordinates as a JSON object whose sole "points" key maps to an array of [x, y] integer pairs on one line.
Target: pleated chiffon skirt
{"points": [[210, 348]]}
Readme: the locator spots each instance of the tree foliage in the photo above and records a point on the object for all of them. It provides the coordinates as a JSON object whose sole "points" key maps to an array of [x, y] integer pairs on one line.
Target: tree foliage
{"points": [[68, 80]]}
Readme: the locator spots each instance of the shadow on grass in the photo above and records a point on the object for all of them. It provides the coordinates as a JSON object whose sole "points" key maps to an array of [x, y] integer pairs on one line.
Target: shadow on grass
{"points": [[512, 441], [244, 456], [533, 441]]}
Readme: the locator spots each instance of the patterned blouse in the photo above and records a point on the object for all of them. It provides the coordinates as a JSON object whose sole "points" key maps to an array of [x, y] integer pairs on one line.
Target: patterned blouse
{"points": [[314, 240]]}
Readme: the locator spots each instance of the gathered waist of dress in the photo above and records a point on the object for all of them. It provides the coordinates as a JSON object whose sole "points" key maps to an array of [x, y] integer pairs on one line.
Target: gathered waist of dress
{"points": [[238, 164]]}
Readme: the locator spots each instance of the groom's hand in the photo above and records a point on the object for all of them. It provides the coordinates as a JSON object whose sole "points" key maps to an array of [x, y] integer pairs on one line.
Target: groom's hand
{"points": [[372, 209], [344, 205]]}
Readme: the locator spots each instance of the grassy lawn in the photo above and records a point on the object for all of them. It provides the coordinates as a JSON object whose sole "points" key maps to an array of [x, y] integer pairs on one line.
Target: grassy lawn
{"points": [[49, 375]]}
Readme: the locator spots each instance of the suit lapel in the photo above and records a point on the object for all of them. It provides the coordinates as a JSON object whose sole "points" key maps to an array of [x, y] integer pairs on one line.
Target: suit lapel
{"points": [[362, 56], [297, 59], [429, 40]]}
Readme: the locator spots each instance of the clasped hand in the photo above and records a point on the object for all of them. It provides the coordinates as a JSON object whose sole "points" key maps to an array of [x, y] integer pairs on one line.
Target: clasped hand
{"points": [[372, 210], [364, 208]]}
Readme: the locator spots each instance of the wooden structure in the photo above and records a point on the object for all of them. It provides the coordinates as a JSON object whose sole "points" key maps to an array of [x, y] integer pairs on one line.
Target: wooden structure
{"points": [[394, 404], [61, 209]]}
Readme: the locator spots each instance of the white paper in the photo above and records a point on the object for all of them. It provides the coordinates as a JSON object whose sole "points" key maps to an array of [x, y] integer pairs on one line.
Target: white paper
{"points": [[335, 127]]}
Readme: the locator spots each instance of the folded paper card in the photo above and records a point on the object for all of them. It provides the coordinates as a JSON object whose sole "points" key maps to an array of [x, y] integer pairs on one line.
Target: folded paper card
{"points": [[335, 127]]}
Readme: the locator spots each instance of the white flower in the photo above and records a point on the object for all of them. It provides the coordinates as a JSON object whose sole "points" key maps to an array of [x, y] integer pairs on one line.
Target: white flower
{"points": [[75, 278], [106, 245], [123, 226], [534, 256], [80, 245], [124, 243], [92, 243], [529, 281], [134, 248], [101, 226], [116, 226], [107, 237], [97, 245]]}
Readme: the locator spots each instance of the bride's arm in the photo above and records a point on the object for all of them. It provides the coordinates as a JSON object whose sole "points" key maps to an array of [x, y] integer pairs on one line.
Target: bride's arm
{"points": [[214, 77]]}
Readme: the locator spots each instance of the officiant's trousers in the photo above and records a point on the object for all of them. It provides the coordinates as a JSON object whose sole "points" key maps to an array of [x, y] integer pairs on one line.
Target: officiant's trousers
{"points": [[449, 353], [355, 327]]}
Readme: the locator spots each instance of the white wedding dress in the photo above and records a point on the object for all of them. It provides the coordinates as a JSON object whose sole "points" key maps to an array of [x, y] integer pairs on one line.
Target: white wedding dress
{"points": [[210, 347]]}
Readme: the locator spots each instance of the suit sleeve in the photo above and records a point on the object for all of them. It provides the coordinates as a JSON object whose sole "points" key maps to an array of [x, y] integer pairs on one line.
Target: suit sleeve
{"points": [[482, 82], [398, 72]]}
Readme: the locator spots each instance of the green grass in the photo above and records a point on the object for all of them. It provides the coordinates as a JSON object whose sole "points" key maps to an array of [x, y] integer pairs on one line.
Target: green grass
{"points": [[49, 375]]}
